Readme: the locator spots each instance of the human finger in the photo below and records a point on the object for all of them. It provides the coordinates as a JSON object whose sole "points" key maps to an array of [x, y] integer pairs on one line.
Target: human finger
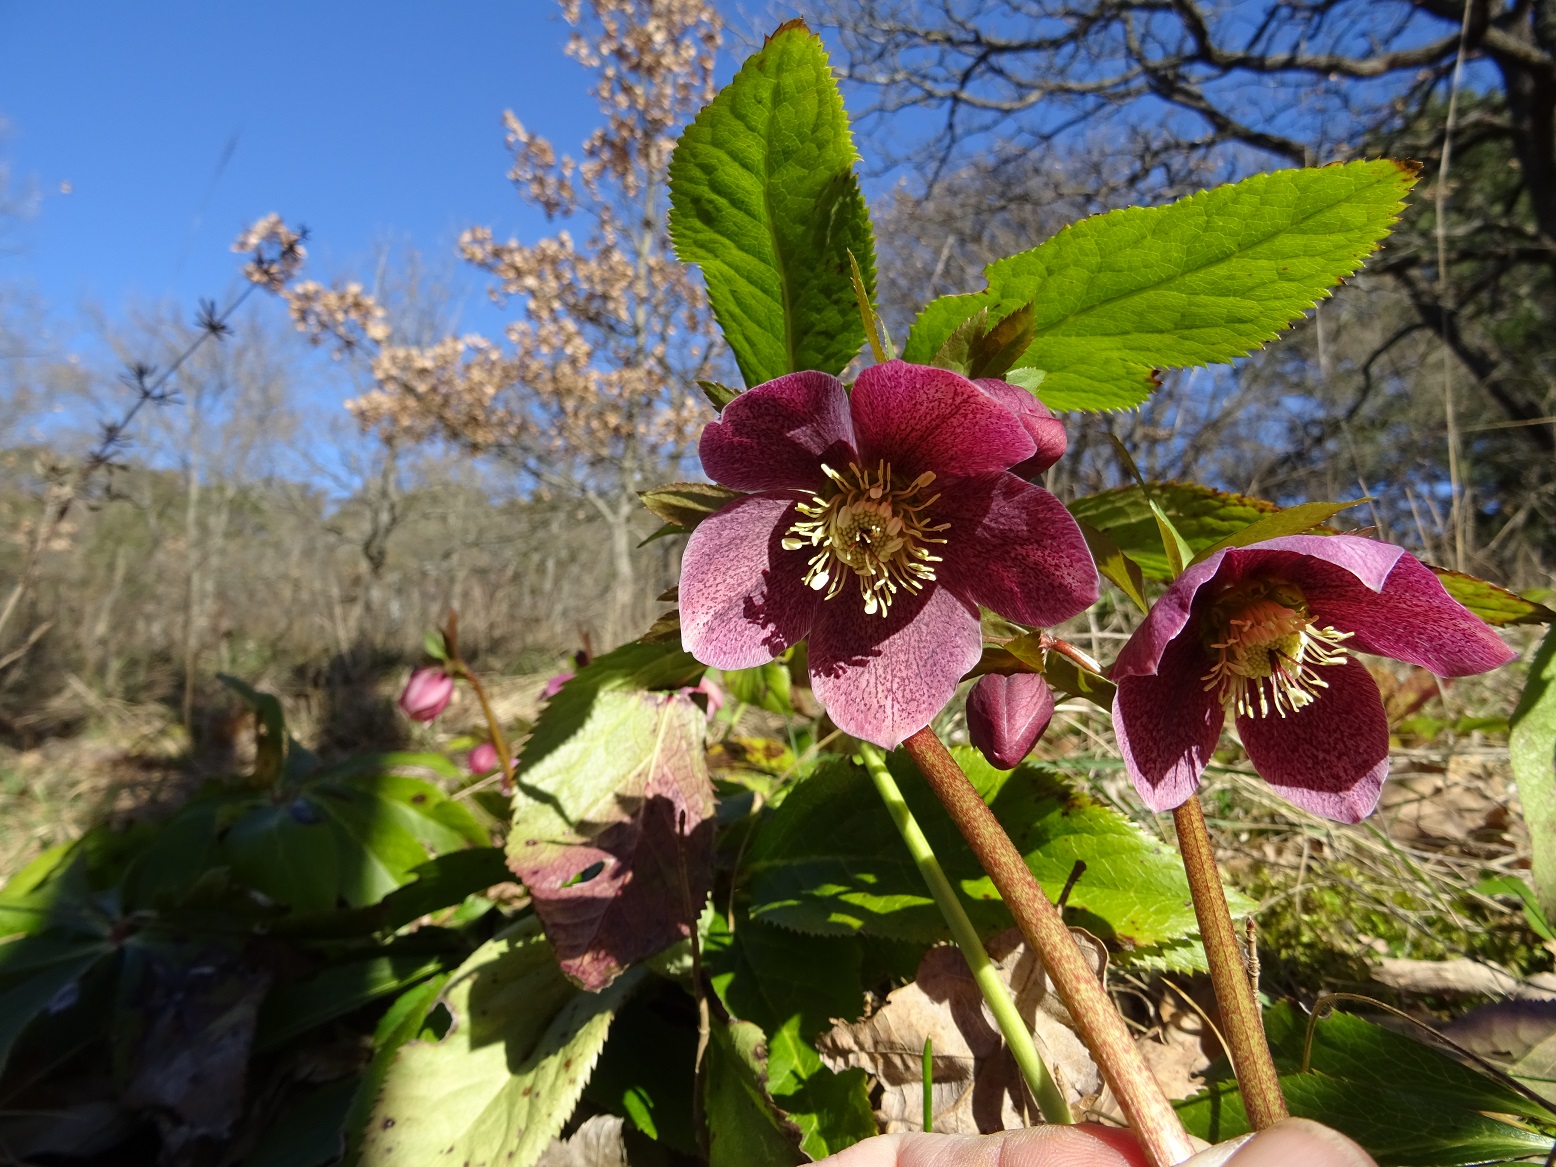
{"points": [[1083, 1145]]}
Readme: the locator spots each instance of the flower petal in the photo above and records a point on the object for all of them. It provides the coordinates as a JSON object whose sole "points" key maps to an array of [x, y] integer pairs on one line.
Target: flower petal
{"points": [[884, 679], [921, 418], [742, 596], [1167, 725], [1045, 430], [1141, 656], [1412, 619], [1330, 758], [775, 436], [1013, 547]]}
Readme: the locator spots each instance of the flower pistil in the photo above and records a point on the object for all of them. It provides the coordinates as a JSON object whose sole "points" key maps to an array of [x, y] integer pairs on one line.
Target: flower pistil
{"points": [[1267, 650], [866, 525]]}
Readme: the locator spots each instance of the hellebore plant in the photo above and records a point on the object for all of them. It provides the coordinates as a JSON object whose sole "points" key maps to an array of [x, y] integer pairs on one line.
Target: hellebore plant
{"points": [[1007, 714], [1265, 634], [878, 524]]}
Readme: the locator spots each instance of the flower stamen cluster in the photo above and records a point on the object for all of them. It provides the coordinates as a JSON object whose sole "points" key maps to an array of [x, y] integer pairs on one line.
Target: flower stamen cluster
{"points": [[869, 527], [1268, 649]]}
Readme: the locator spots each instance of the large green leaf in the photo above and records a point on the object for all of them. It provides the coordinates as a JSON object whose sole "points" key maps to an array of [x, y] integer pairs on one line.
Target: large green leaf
{"points": [[34, 973], [1204, 280], [1202, 515], [289, 852], [1404, 1102], [613, 831], [506, 1075], [744, 1126], [764, 197], [829, 860], [649, 1066], [1531, 745]]}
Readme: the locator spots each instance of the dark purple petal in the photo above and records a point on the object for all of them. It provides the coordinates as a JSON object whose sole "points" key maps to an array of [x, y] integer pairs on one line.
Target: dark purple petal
{"points": [[1013, 547], [1006, 716], [882, 679], [742, 596], [920, 418], [1331, 757], [1167, 725], [1168, 617], [1045, 430], [776, 435], [1413, 619]]}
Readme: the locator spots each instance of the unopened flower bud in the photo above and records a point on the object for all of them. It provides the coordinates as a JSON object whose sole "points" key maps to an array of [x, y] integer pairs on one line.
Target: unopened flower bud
{"points": [[1006, 716], [483, 759], [427, 693]]}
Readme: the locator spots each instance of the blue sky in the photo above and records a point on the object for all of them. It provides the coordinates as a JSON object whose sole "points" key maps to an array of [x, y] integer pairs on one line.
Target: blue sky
{"points": [[174, 123]]}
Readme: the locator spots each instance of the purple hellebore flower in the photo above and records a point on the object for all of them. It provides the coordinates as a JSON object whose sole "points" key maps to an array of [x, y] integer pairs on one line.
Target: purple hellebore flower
{"points": [[1046, 430], [483, 759], [1006, 716], [427, 693], [879, 522], [1266, 633]]}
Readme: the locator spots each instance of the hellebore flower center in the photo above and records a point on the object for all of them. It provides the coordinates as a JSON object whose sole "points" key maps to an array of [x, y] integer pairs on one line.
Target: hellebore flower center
{"points": [[878, 531], [1267, 649]]}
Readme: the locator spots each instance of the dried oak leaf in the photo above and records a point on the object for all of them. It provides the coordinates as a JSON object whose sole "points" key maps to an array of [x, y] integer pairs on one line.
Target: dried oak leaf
{"points": [[976, 1087]]}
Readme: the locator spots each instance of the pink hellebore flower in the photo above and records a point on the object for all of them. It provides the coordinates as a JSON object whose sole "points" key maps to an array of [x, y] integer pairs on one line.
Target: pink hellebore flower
{"points": [[1006, 716], [879, 522], [483, 759], [1266, 633], [427, 693]]}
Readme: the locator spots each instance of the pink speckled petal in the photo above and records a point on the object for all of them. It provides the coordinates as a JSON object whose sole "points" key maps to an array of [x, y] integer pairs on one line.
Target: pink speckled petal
{"points": [[775, 436], [1167, 725], [1412, 619], [1045, 430], [742, 596], [884, 679], [920, 418], [1141, 656], [1013, 547], [1330, 758]]}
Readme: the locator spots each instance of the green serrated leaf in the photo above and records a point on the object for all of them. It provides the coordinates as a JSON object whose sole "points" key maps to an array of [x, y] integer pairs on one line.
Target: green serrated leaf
{"points": [[1531, 745], [763, 196], [999, 348], [1200, 514], [718, 395], [336, 991], [1288, 521], [685, 504], [401, 1022], [504, 1078], [288, 852], [770, 975], [829, 860], [831, 1110], [955, 352], [1204, 280], [744, 1127], [1494, 604]]}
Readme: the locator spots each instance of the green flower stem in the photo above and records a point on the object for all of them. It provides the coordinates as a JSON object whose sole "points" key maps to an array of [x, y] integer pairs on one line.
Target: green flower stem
{"points": [[1240, 1018], [1155, 1123], [1050, 1100]]}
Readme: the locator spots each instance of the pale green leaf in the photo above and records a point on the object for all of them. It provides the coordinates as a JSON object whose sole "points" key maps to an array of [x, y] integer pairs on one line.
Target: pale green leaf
{"points": [[1494, 604], [1204, 280], [508, 1072], [1288, 521], [764, 198], [1531, 745]]}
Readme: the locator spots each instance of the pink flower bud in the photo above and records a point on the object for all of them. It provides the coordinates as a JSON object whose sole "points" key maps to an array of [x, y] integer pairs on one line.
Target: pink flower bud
{"points": [[427, 693], [714, 694], [554, 685], [483, 759], [1006, 716]]}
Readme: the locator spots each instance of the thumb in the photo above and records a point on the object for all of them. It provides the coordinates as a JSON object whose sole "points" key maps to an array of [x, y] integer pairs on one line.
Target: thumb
{"points": [[1294, 1141]]}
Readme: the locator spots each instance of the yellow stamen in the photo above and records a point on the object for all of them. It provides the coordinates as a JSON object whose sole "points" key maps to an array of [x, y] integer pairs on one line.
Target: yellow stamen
{"points": [[1267, 650], [875, 530]]}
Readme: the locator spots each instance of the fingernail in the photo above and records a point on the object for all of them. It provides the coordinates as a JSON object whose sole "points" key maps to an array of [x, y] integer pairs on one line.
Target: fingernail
{"points": [[1218, 1155], [1299, 1141]]}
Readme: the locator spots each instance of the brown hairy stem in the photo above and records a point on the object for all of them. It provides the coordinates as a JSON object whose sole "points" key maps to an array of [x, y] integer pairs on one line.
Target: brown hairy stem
{"points": [[1151, 1116], [458, 668], [1240, 1018]]}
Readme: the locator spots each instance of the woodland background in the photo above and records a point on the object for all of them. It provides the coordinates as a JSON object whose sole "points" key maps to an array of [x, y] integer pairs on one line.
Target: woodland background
{"points": [[499, 478]]}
